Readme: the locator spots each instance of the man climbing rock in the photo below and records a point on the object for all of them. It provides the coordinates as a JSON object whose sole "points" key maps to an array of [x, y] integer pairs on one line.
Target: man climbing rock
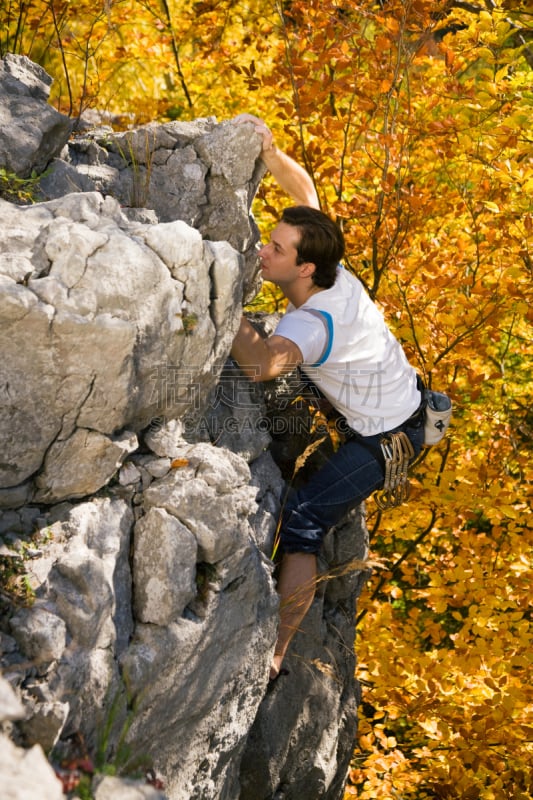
{"points": [[335, 334]]}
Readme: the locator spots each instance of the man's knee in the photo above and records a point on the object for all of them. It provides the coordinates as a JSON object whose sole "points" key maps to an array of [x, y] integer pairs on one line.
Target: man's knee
{"points": [[301, 532]]}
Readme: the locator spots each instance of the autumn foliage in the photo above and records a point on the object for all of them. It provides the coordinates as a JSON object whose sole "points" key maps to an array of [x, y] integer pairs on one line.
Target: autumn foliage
{"points": [[415, 120]]}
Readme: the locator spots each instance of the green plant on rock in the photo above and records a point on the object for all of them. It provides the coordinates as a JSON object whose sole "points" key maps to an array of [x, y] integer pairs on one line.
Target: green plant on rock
{"points": [[117, 759], [16, 589], [22, 191], [77, 765]]}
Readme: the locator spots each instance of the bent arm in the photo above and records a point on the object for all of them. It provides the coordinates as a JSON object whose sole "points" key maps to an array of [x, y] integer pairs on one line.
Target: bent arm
{"points": [[289, 175], [292, 177], [263, 359]]}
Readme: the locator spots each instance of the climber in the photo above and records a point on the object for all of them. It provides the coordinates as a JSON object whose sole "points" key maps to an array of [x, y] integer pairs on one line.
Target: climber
{"points": [[336, 335]]}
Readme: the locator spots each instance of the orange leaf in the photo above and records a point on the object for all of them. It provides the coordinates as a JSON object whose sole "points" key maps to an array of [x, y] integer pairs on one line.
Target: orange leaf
{"points": [[179, 462]]}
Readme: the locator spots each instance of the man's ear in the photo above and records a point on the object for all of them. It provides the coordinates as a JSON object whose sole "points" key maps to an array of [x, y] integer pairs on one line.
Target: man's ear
{"points": [[307, 269]]}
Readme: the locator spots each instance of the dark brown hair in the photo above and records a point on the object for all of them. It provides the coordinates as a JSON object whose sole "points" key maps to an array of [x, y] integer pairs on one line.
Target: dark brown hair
{"points": [[321, 242]]}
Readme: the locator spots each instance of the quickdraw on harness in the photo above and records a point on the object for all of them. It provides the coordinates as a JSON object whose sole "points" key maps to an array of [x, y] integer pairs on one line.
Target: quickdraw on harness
{"points": [[397, 453]]}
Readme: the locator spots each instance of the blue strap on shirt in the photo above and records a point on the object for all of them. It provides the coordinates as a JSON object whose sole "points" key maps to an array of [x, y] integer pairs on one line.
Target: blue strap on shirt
{"points": [[327, 319]]}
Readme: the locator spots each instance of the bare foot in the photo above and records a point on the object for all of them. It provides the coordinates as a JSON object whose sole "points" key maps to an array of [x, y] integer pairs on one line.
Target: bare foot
{"points": [[275, 667]]}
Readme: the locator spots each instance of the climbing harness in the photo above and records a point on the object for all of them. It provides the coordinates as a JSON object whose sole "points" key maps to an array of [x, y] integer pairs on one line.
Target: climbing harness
{"points": [[397, 453]]}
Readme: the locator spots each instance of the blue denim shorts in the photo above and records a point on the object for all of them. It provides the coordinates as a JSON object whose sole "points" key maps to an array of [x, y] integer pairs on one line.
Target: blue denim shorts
{"points": [[351, 475]]}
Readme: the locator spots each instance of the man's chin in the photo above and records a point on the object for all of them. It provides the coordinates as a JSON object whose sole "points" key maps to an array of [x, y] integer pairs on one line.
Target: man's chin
{"points": [[266, 277], [268, 280]]}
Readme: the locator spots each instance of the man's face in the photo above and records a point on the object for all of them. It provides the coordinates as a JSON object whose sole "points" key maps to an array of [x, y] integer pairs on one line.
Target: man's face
{"points": [[278, 257]]}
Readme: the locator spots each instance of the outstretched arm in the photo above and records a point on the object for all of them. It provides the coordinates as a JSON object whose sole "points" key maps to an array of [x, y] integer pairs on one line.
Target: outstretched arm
{"points": [[292, 177]]}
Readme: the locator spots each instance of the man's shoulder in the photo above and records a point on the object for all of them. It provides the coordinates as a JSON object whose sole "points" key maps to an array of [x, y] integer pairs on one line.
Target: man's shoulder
{"points": [[346, 291], [345, 277]]}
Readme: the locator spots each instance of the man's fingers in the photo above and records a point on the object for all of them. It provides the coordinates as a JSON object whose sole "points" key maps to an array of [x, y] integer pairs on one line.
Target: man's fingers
{"points": [[260, 127], [247, 118]]}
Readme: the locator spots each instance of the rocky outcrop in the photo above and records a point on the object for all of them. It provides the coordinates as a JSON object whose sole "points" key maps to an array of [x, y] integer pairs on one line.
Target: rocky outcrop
{"points": [[32, 133], [25, 772], [140, 493], [107, 325], [203, 173], [80, 280]]}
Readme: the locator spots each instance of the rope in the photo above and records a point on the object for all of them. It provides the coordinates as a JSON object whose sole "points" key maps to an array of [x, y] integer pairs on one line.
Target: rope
{"points": [[397, 452]]}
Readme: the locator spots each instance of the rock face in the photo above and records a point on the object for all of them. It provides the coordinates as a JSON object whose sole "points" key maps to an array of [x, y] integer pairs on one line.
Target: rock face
{"points": [[26, 772], [202, 173], [107, 325], [32, 133], [140, 495]]}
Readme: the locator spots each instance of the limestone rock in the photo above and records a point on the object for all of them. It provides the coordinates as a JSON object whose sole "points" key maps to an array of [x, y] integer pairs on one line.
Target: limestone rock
{"points": [[26, 774], [90, 582], [211, 503], [111, 788], [164, 567], [164, 316], [44, 724], [165, 439], [221, 651], [32, 133], [40, 634], [10, 706], [203, 173], [61, 402], [97, 458], [234, 416], [266, 477]]}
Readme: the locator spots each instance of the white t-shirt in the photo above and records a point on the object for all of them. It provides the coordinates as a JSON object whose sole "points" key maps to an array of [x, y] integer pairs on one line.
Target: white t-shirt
{"points": [[352, 356]]}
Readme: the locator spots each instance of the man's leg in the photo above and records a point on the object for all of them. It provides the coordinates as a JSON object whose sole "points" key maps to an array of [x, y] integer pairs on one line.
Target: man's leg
{"points": [[296, 587], [347, 478]]}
